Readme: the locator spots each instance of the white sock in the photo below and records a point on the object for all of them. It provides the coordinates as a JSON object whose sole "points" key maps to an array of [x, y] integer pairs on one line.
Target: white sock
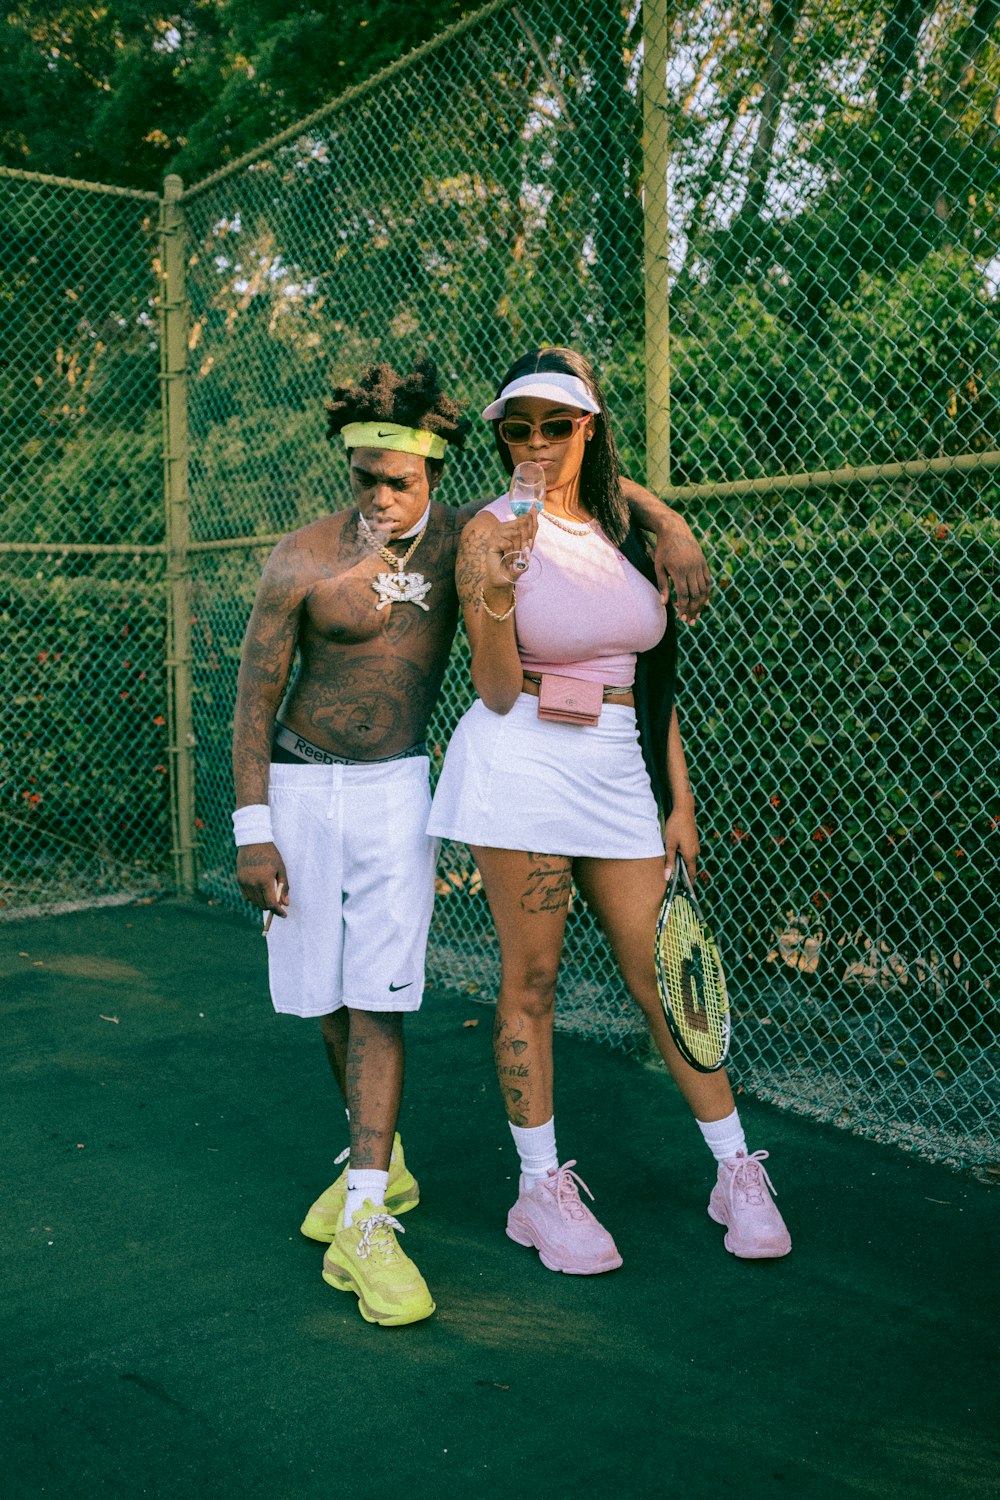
{"points": [[724, 1137], [362, 1185], [536, 1146]]}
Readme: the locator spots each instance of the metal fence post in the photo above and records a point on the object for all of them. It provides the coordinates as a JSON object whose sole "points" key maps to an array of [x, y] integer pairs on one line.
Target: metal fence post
{"points": [[173, 385], [656, 239]]}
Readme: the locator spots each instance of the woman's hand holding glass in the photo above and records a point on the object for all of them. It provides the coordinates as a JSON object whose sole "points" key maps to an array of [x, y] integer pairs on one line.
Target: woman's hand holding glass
{"points": [[527, 498], [509, 551]]}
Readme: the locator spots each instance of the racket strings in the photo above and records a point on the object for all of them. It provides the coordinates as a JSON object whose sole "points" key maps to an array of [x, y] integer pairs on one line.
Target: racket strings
{"points": [[694, 982]]}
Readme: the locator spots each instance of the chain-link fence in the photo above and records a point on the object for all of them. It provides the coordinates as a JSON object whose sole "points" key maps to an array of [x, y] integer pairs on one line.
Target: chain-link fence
{"points": [[84, 806], [824, 410]]}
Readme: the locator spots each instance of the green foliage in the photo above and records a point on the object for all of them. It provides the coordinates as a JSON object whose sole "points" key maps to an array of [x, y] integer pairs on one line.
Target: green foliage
{"points": [[863, 652], [184, 91], [84, 742]]}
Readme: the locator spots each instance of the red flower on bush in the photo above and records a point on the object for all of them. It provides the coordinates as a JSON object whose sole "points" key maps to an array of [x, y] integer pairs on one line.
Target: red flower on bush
{"points": [[941, 532], [824, 831], [820, 898], [159, 719], [736, 833], [774, 800], [199, 822], [759, 671]]}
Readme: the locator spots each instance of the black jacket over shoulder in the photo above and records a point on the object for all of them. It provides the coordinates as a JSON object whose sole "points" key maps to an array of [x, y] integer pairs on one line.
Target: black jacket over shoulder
{"points": [[655, 682]]}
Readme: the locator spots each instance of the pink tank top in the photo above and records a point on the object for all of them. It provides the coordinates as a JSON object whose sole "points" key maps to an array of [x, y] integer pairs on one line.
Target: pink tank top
{"points": [[583, 610]]}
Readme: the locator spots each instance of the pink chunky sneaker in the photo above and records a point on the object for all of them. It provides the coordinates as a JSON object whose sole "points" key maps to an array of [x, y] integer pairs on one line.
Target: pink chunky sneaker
{"points": [[552, 1217], [742, 1201]]}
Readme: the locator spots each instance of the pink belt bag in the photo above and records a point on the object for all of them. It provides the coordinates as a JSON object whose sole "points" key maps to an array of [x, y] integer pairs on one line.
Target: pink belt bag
{"points": [[571, 700]]}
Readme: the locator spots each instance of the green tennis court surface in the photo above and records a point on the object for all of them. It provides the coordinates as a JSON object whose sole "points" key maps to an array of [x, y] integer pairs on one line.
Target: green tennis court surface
{"points": [[167, 1331]]}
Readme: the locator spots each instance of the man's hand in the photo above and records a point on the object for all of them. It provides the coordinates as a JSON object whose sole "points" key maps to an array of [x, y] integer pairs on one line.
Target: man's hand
{"points": [[679, 560], [263, 879]]}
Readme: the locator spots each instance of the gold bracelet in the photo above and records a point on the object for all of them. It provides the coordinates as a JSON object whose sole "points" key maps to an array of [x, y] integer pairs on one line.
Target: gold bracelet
{"points": [[492, 613]]}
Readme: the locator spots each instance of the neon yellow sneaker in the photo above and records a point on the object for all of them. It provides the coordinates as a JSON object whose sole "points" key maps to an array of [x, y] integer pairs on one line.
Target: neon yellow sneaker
{"points": [[367, 1260], [323, 1219]]}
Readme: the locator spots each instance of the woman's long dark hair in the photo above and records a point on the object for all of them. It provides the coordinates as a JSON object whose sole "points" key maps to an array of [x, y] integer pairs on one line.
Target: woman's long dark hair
{"points": [[600, 472]]}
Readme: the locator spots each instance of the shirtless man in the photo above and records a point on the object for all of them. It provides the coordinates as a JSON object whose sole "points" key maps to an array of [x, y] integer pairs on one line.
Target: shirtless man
{"points": [[332, 799]]}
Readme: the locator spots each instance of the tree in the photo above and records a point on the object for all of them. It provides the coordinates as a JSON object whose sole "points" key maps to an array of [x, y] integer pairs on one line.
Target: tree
{"points": [[116, 94]]}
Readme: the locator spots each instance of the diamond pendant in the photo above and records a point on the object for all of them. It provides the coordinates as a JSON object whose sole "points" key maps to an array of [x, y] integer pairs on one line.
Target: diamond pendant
{"points": [[401, 588]]}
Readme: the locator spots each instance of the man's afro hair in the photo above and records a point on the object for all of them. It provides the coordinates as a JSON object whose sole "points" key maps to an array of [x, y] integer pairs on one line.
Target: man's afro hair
{"points": [[414, 400]]}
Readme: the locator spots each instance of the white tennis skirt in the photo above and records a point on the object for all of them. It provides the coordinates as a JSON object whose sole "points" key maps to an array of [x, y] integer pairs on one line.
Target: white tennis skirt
{"points": [[515, 781]]}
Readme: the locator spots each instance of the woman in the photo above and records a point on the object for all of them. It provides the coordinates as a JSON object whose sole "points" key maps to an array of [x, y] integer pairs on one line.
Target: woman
{"points": [[544, 803]]}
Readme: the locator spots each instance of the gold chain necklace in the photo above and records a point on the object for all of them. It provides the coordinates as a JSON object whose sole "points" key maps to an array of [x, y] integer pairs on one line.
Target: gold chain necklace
{"points": [[395, 560], [398, 587]]}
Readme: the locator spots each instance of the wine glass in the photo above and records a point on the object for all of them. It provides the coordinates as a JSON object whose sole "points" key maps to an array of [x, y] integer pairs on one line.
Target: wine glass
{"points": [[527, 489]]}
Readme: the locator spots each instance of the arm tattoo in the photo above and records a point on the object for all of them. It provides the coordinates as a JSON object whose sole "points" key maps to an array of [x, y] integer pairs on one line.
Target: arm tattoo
{"points": [[470, 570], [268, 651]]}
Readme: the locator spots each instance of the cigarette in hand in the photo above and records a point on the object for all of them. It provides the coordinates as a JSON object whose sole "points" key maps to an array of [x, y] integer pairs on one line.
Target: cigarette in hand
{"points": [[270, 916]]}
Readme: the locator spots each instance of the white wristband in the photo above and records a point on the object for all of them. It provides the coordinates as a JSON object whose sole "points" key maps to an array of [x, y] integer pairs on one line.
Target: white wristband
{"points": [[252, 825]]}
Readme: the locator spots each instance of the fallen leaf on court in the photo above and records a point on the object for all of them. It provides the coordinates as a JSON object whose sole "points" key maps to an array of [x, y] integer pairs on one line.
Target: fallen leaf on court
{"points": [[24, 955], [470, 1023], [108, 1018]]}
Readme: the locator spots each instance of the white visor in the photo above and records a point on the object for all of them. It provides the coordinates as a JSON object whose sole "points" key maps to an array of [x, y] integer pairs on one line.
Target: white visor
{"points": [[550, 385]]}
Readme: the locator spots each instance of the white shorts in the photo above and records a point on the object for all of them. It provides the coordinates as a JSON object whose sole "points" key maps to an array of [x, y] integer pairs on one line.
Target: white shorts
{"points": [[515, 781], [361, 886]]}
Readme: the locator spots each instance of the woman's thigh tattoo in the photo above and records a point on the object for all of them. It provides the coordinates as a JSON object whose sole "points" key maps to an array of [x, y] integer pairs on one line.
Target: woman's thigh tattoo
{"points": [[548, 884]]}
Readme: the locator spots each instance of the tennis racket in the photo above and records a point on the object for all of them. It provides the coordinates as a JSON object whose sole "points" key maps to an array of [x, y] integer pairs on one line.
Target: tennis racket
{"points": [[689, 976]]}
